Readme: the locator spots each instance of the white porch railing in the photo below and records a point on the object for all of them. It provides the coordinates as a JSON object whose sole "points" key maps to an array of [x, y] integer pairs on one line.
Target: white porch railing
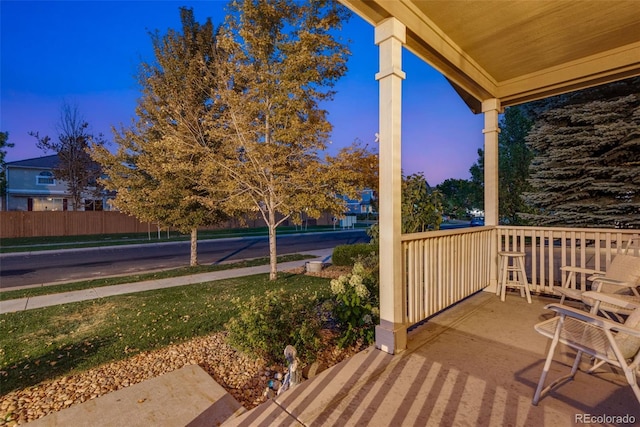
{"points": [[444, 267], [547, 249]]}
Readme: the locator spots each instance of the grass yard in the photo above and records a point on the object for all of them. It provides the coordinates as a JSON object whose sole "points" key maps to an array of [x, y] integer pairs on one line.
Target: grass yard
{"points": [[37, 345]]}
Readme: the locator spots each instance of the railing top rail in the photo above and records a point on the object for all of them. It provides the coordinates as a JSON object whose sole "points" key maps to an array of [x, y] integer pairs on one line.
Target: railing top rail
{"points": [[440, 233], [455, 231], [570, 229]]}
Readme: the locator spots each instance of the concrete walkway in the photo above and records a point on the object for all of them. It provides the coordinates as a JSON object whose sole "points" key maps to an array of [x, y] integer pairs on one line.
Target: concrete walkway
{"points": [[30, 303], [186, 396]]}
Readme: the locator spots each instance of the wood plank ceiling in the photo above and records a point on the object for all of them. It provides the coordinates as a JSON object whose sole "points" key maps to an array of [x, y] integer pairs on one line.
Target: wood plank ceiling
{"points": [[518, 51]]}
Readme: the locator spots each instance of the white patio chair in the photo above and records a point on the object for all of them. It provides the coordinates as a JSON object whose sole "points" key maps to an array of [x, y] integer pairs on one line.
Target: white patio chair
{"points": [[604, 340], [625, 291], [621, 278]]}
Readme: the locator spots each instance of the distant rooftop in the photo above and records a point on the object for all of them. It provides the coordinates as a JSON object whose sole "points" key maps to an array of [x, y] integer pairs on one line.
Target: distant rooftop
{"points": [[48, 162]]}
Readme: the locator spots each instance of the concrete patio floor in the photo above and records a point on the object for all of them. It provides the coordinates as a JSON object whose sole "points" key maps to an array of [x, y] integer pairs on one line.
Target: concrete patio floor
{"points": [[476, 364]]}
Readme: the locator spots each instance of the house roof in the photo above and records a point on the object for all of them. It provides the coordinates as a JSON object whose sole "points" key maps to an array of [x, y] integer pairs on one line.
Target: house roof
{"points": [[46, 162], [517, 51]]}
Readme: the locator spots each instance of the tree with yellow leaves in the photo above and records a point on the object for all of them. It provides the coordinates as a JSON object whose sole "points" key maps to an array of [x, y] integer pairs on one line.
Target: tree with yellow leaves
{"points": [[282, 57], [156, 170]]}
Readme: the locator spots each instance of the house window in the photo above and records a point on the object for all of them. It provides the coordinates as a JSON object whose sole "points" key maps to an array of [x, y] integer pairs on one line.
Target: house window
{"points": [[45, 178], [93, 205], [48, 204]]}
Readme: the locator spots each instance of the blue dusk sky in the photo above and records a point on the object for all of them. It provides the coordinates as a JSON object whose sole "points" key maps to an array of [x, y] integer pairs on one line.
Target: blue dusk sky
{"points": [[86, 53]]}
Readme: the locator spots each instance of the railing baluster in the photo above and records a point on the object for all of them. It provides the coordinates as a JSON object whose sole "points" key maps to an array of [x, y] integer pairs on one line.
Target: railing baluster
{"points": [[533, 277], [543, 265], [550, 255]]}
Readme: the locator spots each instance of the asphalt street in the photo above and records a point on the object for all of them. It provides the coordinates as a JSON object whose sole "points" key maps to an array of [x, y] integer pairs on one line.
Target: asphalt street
{"points": [[47, 267]]}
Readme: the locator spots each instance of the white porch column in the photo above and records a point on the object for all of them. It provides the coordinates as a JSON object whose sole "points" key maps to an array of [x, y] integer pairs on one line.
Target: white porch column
{"points": [[491, 108], [391, 334]]}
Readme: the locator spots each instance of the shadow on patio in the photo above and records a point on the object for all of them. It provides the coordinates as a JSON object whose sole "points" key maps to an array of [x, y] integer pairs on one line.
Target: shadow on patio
{"points": [[477, 363]]}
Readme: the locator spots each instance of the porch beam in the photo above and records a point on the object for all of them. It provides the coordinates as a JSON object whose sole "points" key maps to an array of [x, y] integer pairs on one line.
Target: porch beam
{"points": [[391, 334]]}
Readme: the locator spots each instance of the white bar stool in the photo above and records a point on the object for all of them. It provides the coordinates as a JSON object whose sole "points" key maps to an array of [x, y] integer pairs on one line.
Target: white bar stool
{"points": [[512, 273]]}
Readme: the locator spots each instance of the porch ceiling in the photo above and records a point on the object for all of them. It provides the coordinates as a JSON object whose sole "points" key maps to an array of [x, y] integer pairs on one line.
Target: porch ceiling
{"points": [[517, 51]]}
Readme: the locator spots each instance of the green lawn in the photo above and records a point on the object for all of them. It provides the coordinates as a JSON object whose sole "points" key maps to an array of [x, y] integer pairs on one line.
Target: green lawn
{"points": [[37, 345]]}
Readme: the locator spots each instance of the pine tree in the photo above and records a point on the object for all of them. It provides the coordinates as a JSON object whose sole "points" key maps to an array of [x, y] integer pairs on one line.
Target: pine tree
{"points": [[477, 181], [514, 158], [458, 197], [513, 164], [586, 172]]}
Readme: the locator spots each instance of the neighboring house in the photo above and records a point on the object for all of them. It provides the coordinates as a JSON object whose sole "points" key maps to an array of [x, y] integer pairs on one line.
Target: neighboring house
{"points": [[363, 205], [31, 186]]}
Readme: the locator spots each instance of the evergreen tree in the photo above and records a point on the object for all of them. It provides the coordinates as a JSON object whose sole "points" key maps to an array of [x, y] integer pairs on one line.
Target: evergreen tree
{"points": [[513, 164], [459, 196], [586, 172], [157, 170], [477, 180], [514, 158]]}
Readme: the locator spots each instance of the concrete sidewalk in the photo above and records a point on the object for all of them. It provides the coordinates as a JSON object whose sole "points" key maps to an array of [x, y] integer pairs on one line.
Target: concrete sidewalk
{"points": [[30, 303]]}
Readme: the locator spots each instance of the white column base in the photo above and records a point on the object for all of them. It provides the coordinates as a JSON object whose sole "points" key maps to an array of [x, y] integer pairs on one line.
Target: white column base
{"points": [[493, 286], [391, 338]]}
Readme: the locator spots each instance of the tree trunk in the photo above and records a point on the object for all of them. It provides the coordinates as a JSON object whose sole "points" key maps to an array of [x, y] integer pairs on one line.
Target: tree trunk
{"points": [[273, 257], [194, 247]]}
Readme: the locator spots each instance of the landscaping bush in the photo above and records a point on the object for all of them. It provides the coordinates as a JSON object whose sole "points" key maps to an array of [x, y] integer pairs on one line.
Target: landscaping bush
{"points": [[356, 308], [267, 324], [374, 235], [349, 254]]}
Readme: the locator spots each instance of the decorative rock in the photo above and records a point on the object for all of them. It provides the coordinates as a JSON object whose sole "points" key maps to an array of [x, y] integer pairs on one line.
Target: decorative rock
{"points": [[269, 394], [244, 378]]}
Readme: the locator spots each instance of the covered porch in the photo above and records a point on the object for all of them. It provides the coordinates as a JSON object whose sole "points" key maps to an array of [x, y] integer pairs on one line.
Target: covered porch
{"points": [[495, 54], [477, 363]]}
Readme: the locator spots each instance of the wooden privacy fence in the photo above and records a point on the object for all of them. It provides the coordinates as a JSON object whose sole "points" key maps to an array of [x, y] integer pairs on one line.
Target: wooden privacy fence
{"points": [[74, 223], [68, 223]]}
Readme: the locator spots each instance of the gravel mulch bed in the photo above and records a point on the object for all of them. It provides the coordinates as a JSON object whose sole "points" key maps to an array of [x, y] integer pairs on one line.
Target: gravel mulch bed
{"points": [[246, 379]]}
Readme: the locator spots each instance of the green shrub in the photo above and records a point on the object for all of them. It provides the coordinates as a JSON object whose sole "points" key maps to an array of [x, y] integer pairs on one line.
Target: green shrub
{"points": [[374, 235], [356, 304], [349, 254], [265, 325]]}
